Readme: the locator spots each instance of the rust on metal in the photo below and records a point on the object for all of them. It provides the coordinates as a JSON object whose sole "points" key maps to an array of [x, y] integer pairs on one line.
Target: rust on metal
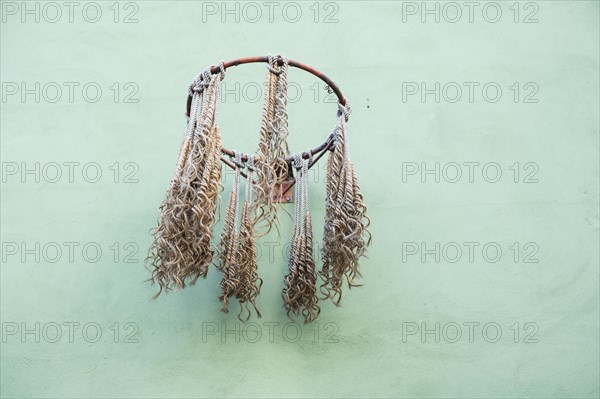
{"points": [[283, 192]]}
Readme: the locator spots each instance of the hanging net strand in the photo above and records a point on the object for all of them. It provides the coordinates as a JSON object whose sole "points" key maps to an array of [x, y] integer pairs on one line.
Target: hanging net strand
{"points": [[230, 260], [273, 147], [180, 252], [299, 293], [346, 233], [250, 283]]}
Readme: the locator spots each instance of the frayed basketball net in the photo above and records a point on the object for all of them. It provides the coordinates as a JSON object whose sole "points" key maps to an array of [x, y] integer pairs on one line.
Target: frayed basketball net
{"points": [[345, 235], [181, 251], [273, 147], [237, 251], [300, 292]]}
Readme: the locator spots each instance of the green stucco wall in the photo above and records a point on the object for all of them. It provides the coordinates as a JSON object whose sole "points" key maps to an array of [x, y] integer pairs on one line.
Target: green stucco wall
{"points": [[475, 139]]}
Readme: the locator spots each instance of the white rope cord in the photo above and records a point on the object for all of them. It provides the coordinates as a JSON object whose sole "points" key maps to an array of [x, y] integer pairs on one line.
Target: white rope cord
{"points": [[249, 181], [218, 100], [305, 203], [272, 64], [196, 91], [344, 114], [197, 88], [281, 117], [297, 193], [279, 125], [207, 98], [188, 131], [199, 99], [237, 160]]}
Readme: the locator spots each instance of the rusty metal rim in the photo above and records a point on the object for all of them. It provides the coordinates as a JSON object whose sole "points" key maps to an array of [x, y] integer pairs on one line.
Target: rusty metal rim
{"points": [[249, 60]]}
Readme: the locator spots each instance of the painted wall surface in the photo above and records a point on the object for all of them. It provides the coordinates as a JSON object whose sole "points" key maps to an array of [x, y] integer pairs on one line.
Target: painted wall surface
{"points": [[474, 133]]}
